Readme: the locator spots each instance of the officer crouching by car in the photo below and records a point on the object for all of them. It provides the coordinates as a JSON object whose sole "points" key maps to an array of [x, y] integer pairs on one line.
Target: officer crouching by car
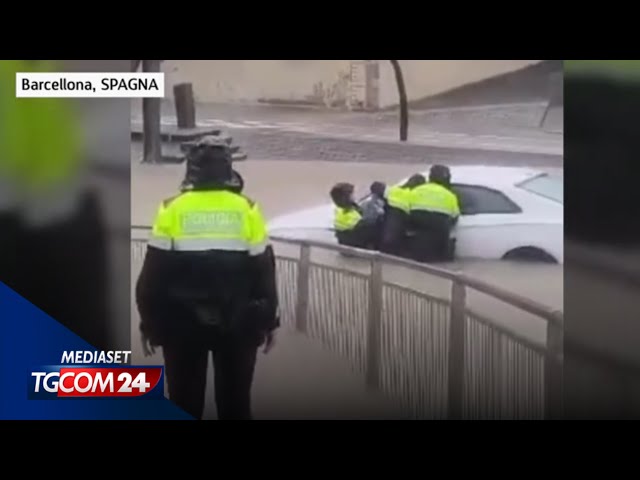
{"points": [[208, 285], [433, 212], [351, 227]]}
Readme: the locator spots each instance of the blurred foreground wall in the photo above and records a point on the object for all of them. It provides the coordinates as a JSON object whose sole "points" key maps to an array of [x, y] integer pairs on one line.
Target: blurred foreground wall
{"points": [[602, 283], [107, 130]]}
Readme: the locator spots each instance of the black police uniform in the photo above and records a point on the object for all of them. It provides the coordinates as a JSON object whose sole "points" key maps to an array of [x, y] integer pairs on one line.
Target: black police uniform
{"points": [[434, 210], [351, 228], [193, 302], [395, 225]]}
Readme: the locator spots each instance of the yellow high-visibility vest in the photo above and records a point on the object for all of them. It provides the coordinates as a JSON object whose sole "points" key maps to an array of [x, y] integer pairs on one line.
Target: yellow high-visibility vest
{"points": [[346, 219], [210, 220], [432, 197], [398, 197]]}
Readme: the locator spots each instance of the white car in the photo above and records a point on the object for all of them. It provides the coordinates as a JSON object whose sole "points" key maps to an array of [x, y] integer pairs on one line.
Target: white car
{"points": [[506, 213]]}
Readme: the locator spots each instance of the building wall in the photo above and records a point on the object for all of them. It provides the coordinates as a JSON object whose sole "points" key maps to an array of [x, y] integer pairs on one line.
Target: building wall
{"points": [[424, 78], [324, 82], [300, 81]]}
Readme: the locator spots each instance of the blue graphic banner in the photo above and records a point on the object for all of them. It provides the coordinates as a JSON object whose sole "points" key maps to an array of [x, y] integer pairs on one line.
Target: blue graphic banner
{"points": [[31, 347]]}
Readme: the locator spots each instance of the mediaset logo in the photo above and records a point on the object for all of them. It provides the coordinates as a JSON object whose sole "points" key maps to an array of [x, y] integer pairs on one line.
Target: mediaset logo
{"points": [[85, 374]]}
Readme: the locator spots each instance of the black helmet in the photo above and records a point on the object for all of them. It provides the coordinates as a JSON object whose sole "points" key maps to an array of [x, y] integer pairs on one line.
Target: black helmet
{"points": [[440, 174], [209, 162], [415, 180], [341, 194], [377, 189]]}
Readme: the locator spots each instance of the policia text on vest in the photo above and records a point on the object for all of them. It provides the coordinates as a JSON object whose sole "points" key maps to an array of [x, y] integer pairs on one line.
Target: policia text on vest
{"points": [[188, 223]]}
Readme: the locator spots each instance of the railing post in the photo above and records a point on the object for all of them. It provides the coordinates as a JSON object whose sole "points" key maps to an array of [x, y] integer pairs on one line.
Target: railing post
{"points": [[302, 302], [374, 325], [456, 351], [553, 372]]}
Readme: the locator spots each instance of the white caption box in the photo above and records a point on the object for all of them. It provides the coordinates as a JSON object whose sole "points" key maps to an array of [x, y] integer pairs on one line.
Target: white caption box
{"points": [[90, 85]]}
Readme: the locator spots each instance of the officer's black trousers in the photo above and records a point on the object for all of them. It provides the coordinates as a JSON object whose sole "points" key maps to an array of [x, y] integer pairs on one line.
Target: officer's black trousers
{"points": [[234, 365], [366, 235], [430, 240], [393, 237]]}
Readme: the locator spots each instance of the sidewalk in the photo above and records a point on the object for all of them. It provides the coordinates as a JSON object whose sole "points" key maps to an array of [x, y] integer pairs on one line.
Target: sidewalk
{"points": [[297, 380]]}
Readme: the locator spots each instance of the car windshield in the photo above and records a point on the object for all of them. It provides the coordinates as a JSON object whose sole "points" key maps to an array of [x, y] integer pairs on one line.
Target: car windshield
{"points": [[545, 185]]}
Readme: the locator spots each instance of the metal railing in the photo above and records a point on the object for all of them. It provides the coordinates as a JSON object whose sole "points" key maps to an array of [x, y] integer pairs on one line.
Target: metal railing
{"points": [[427, 349]]}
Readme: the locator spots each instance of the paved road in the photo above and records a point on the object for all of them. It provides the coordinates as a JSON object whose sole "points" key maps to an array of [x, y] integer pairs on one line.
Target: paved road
{"points": [[254, 128], [295, 146]]}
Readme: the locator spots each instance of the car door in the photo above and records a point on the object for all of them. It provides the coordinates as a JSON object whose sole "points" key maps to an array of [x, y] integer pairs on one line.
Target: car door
{"points": [[485, 215]]}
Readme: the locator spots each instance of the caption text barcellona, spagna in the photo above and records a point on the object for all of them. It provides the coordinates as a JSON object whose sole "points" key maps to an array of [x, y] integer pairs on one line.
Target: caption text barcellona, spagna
{"points": [[106, 84], [97, 85]]}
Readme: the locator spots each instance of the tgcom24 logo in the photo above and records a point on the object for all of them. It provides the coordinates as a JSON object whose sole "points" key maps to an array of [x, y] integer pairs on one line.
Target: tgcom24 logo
{"points": [[87, 374]]}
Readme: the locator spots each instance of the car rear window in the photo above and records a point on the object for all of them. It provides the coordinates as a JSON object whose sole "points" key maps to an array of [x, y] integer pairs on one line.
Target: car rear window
{"points": [[546, 185]]}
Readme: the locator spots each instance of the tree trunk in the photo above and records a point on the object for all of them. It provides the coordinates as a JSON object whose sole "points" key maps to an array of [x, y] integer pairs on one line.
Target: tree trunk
{"points": [[185, 105], [402, 94], [151, 119]]}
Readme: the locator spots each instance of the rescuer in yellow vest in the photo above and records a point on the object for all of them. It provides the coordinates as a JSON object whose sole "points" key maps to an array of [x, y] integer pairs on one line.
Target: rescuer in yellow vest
{"points": [[433, 211], [350, 227], [395, 224], [50, 221], [208, 285]]}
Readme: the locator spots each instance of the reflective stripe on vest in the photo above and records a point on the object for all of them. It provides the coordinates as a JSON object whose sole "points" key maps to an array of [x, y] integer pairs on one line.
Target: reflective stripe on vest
{"points": [[432, 197], [199, 221], [346, 219], [398, 197]]}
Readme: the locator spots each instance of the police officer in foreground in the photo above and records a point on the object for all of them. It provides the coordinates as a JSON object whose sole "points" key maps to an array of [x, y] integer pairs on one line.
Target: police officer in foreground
{"points": [[350, 226], [395, 224], [433, 212], [208, 285]]}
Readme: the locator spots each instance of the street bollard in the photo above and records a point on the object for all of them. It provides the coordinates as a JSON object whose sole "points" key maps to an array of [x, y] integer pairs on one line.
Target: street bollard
{"points": [[185, 105]]}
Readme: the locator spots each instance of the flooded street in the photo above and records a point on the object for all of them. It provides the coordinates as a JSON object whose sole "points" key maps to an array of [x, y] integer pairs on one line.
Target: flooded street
{"points": [[284, 186]]}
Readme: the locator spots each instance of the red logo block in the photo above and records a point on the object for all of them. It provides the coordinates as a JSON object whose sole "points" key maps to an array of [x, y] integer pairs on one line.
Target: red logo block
{"points": [[107, 382]]}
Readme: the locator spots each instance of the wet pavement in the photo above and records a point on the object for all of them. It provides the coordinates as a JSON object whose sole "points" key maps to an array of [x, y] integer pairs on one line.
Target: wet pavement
{"points": [[278, 132]]}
